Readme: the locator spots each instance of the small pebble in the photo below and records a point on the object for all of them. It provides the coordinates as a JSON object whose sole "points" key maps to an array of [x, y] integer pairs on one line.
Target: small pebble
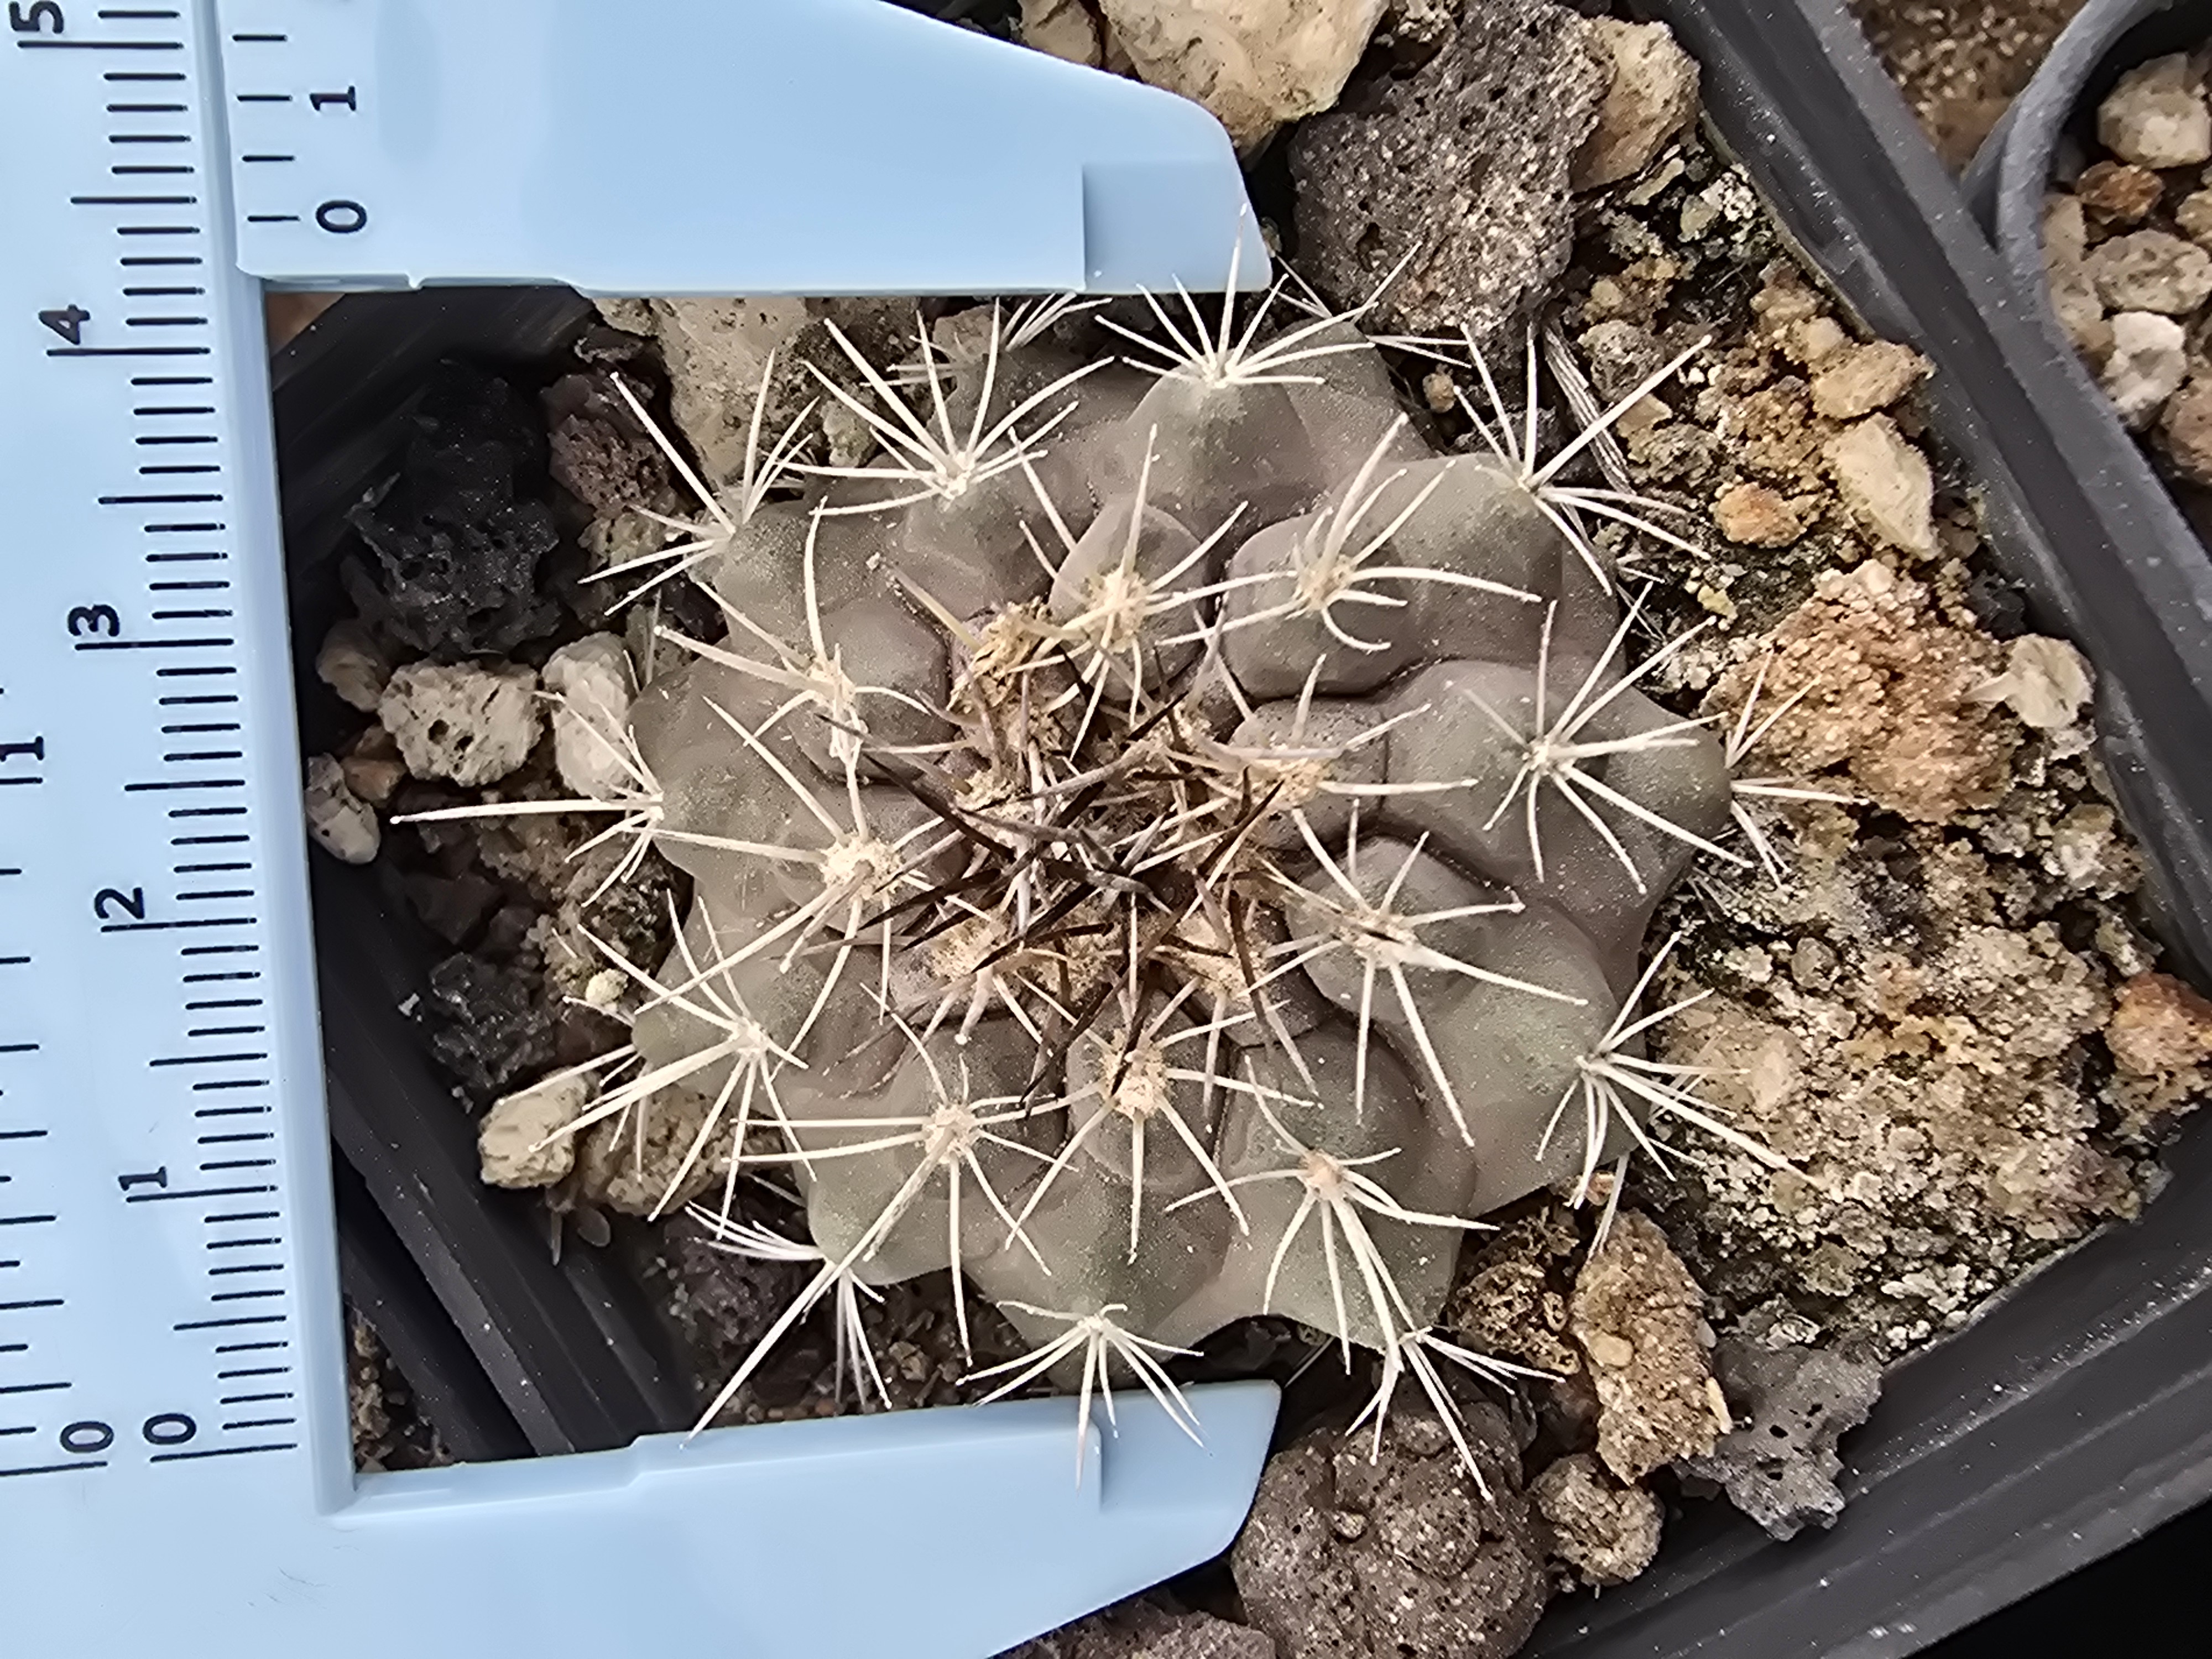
{"points": [[2149, 361], [1781, 303], [1652, 95], [2065, 229], [2160, 1026], [1254, 63], [2073, 293], [1815, 340], [594, 682], [1642, 416], [2187, 430], [1620, 356], [1885, 482], [375, 778], [352, 666], [2151, 270], [1812, 963], [1750, 962], [1063, 29], [2194, 216], [2156, 116], [507, 1140], [469, 723], [2047, 683], [2117, 192], [343, 825], [1614, 1352], [1756, 516], [1864, 379]]}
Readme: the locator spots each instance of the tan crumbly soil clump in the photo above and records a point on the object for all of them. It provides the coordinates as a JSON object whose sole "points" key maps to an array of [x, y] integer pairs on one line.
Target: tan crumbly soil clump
{"points": [[2160, 1038], [1636, 1317], [1513, 1290], [1600, 1531], [1889, 696], [1940, 1016], [389, 1430]]}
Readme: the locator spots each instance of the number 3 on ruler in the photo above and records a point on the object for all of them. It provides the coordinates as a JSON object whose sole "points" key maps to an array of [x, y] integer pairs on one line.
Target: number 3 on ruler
{"points": [[98, 621]]}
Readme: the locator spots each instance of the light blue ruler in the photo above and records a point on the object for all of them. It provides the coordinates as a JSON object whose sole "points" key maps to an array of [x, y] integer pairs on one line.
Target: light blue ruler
{"points": [[175, 1476]]}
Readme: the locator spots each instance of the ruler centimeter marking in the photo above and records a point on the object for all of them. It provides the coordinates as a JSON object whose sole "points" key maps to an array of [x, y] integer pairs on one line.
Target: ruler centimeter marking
{"points": [[134, 346]]}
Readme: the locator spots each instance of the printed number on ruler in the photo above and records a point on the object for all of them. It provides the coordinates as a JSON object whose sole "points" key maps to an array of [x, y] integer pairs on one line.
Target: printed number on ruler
{"points": [[146, 1264]]}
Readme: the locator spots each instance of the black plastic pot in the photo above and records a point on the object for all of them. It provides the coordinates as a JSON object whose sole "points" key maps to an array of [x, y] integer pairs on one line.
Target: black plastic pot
{"points": [[510, 1353], [2069, 1419], [2049, 132]]}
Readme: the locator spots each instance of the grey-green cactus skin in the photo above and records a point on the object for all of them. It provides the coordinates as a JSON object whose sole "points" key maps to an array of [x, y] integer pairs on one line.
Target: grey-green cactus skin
{"points": [[1439, 1044]]}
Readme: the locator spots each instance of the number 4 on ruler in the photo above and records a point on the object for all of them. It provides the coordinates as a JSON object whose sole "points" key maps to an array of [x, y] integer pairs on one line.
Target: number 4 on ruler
{"points": [[68, 322]]}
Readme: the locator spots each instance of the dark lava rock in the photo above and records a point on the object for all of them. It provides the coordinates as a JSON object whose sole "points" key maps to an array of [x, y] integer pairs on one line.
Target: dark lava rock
{"points": [[1462, 165], [600, 454], [1399, 1557], [727, 1302], [459, 532], [453, 907], [1999, 605], [1143, 1629], [496, 1031], [1794, 1405], [636, 915]]}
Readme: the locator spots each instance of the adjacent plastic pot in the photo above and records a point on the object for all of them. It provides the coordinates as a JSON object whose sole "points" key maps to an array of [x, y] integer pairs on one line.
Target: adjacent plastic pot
{"points": [[2072, 1417], [2049, 129]]}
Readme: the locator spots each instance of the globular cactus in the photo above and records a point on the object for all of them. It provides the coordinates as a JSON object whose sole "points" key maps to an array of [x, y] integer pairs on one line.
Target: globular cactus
{"points": [[1167, 845]]}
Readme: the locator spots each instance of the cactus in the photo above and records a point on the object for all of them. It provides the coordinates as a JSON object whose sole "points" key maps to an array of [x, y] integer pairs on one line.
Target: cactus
{"points": [[1166, 845]]}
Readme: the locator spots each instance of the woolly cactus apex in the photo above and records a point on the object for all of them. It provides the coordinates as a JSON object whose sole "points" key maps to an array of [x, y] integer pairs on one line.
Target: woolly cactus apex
{"points": [[1164, 850]]}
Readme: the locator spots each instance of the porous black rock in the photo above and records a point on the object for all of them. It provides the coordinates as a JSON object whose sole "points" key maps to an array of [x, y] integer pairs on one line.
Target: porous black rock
{"points": [[1350, 1555], [461, 533], [495, 1030], [1459, 169], [599, 452], [1791, 1405]]}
